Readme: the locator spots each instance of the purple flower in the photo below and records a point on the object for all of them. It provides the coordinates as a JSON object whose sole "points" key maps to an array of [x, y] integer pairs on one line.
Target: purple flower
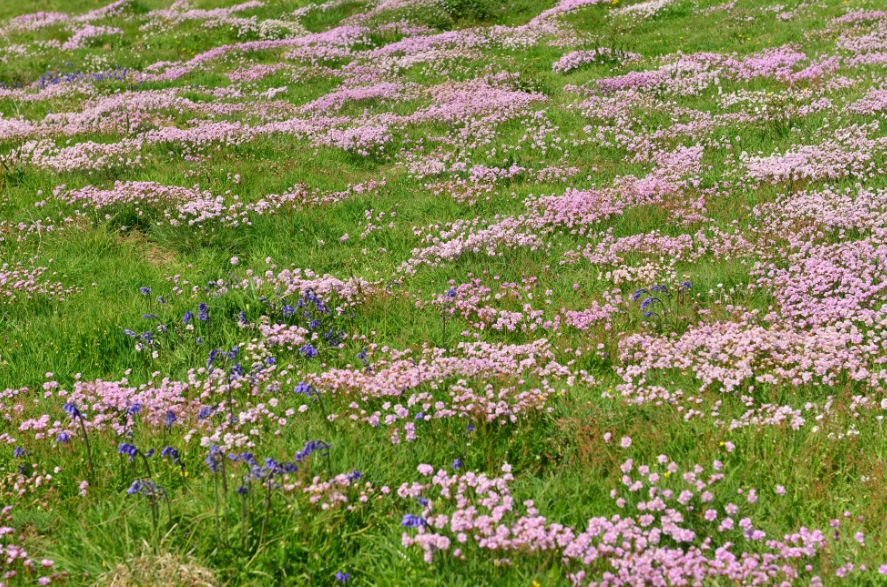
{"points": [[189, 315], [308, 351], [170, 452], [128, 449], [145, 291], [411, 521], [72, 410], [342, 577]]}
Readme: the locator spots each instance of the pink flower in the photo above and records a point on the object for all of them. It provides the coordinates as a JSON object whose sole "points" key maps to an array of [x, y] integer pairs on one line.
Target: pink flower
{"points": [[780, 490], [425, 469], [235, 260], [625, 442]]}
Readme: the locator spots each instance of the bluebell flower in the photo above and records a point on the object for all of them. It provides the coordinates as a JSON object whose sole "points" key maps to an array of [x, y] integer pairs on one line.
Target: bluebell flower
{"points": [[214, 458], [288, 310], [270, 361], [451, 294], [145, 291], [310, 447], [470, 427], [637, 295], [150, 453], [308, 351], [342, 577], [411, 521], [242, 490], [130, 333], [161, 301], [354, 475], [189, 315], [420, 416], [202, 312], [236, 371], [170, 452], [204, 413], [128, 449], [63, 438], [241, 318], [422, 501], [686, 284], [457, 464], [169, 418], [72, 410], [18, 452]]}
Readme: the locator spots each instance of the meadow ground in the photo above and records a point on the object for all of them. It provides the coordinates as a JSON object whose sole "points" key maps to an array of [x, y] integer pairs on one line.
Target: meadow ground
{"points": [[443, 292]]}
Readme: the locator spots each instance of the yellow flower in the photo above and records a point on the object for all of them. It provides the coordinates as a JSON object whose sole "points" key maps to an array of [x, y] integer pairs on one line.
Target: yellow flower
{"points": [[537, 584]]}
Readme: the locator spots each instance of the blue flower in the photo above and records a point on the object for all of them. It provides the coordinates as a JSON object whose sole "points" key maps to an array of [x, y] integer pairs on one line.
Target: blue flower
{"points": [[310, 447], [189, 315], [72, 410], [130, 333], [169, 418], [308, 351], [423, 501], [214, 458], [204, 413], [145, 291], [342, 577], [288, 310], [686, 284], [451, 294], [18, 452], [128, 449], [242, 490], [637, 295], [457, 464], [63, 438], [170, 452], [420, 416], [411, 521], [202, 312], [270, 361], [134, 409], [236, 371], [354, 475]]}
